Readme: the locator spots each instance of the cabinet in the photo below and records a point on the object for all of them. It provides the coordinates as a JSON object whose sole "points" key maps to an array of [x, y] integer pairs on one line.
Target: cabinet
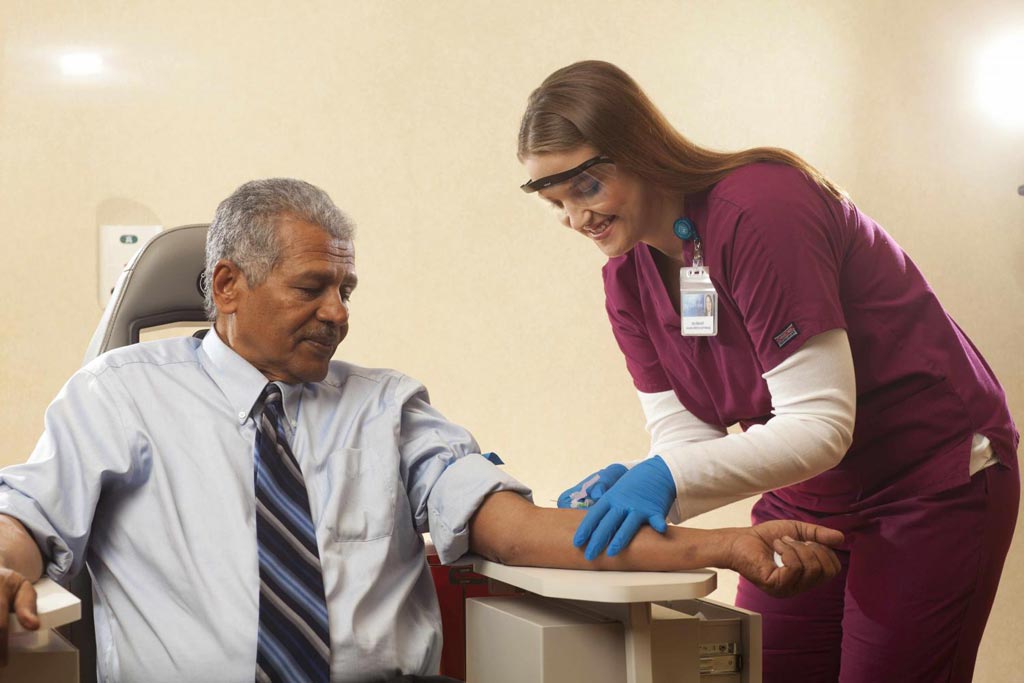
{"points": [[608, 627]]}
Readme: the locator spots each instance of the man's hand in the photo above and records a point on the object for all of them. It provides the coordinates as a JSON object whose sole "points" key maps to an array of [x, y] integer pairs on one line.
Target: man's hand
{"points": [[805, 552], [16, 595]]}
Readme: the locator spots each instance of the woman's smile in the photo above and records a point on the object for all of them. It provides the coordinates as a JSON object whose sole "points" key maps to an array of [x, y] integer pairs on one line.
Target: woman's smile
{"points": [[599, 230]]}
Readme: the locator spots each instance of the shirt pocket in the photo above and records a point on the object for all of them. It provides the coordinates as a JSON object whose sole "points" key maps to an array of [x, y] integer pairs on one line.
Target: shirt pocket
{"points": [[360, 504]]}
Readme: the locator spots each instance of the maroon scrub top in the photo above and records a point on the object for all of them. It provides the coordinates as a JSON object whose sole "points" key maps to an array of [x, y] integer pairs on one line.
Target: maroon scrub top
{"points": [[790, 261]]}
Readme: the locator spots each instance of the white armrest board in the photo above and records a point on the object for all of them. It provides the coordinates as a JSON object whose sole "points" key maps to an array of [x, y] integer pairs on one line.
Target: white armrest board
{"points": [[55, 605], [600, 586]]}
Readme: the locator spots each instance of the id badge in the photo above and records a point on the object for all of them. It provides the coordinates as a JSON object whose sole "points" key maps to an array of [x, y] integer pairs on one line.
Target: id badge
{"points": [[698, 303]]}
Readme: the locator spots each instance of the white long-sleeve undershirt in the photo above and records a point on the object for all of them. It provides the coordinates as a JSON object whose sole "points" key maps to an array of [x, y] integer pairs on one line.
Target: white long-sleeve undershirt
{"points": [[814, 395]]}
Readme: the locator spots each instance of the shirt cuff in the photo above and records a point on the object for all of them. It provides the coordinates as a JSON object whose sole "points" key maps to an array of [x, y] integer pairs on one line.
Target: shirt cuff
{"points": [[457, 495], [57, 556]]}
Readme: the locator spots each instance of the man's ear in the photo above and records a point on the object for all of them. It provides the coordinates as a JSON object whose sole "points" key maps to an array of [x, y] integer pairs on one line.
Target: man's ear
{"points": [[229, 284]]}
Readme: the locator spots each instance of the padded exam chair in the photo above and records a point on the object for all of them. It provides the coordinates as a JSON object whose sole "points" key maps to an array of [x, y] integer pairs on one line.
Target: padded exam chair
{"points": [[160, 286]]}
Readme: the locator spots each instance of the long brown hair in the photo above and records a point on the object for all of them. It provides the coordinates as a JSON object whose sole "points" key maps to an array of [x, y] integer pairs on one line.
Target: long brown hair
{"points": [[597, 103]]}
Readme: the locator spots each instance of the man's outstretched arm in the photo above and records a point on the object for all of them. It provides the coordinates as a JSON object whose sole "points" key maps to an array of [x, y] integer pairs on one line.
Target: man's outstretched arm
{"points": [[511, 530]]}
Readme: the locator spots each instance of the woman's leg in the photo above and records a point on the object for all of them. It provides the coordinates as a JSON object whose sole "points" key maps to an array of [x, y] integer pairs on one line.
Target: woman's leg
{"points": [[921, 581]]}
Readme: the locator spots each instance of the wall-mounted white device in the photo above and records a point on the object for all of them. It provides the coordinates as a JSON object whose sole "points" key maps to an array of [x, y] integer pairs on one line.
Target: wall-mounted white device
{"points": [[118, 244]]}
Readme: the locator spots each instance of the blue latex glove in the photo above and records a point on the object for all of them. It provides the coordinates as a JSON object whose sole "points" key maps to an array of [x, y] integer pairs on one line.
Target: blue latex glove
{"points": [[590, 490], [643, 495]]}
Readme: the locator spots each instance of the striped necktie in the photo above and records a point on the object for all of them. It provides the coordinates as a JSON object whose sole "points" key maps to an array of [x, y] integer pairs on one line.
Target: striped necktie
{"points": [[294, 642]]}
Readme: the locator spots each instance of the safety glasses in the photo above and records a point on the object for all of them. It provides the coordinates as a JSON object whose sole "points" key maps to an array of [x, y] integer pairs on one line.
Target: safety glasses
{"points": [[579, 189], [554, 179]]}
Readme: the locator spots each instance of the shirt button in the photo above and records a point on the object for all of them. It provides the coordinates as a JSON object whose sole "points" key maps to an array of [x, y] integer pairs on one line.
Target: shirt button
{"points": [[241, 416]]}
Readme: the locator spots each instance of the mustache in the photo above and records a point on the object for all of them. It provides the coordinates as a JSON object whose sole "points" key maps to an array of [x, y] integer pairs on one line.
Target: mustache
{"points": [[327, 335]]}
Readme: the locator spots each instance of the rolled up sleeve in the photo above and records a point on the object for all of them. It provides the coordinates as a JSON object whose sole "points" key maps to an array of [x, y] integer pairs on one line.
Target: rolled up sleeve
{"points": [[446, 477], [54, 494]]}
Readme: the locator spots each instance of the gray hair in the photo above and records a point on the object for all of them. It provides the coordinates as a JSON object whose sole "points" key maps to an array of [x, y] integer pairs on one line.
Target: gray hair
{"points": [[244, 229]]}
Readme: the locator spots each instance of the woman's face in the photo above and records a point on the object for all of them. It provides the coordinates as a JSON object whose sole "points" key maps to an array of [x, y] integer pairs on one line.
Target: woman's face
{"points": [[603, 203]]}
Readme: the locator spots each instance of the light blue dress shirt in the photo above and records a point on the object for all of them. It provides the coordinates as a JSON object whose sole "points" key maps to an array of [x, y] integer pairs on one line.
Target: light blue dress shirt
{"points": [[145, 472]]}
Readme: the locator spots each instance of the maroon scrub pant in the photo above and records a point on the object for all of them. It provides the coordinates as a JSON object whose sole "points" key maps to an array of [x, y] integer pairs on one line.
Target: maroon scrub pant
{"points": [[918, 580]]}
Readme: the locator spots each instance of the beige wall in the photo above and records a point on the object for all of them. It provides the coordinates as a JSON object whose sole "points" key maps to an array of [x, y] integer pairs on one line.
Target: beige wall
{"points": [[406, 112]]}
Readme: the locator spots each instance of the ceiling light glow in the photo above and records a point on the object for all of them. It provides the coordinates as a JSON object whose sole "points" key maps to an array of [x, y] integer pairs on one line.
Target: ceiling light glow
{"points": [[79, 64], [1000, 80]]}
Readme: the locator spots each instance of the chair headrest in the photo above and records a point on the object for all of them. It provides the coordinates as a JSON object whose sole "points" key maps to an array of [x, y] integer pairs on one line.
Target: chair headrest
{"points": [[161, 285]]}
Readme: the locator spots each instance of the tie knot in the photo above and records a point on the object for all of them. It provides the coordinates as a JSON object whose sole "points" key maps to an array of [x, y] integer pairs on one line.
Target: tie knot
{"points": [[271, 394]]}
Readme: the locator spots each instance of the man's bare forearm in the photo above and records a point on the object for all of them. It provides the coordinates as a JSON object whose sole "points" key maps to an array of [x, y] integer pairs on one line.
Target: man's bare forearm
{"points": [[18, 550], [511, 530]]}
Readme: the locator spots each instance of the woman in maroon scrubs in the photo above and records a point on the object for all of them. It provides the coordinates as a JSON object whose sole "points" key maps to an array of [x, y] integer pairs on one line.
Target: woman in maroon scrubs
{"points": [[864, 406]]}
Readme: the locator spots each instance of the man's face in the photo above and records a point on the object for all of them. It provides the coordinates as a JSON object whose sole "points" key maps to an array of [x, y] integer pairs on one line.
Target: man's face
{"points": [[289, 325]]}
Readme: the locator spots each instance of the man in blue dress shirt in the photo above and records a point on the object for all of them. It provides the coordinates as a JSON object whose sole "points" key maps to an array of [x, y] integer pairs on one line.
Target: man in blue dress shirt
{"points": [[144, 473]]}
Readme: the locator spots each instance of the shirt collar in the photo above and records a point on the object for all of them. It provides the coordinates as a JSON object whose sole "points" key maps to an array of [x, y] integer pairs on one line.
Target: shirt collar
{"points": [[242, 383]]}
